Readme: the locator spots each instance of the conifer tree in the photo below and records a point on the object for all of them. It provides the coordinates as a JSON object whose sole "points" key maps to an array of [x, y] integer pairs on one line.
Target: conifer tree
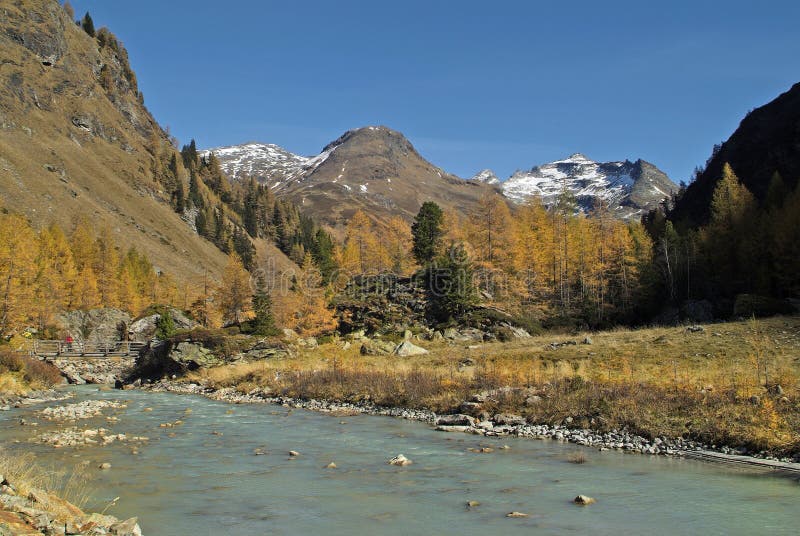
{"points": [[450, 286], [87, 24], [264, 320], [427, 232]]}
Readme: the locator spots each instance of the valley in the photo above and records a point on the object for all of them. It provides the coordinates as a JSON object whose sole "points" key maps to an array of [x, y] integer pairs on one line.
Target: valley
{"points": [[198, 339]]}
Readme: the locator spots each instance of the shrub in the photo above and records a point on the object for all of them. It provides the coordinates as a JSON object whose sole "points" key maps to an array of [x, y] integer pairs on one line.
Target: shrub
{"points": [[34, 372]]}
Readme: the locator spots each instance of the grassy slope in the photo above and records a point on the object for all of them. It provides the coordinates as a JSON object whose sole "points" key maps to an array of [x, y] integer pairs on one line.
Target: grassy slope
{"points": [[103, 175], [655, 382]]}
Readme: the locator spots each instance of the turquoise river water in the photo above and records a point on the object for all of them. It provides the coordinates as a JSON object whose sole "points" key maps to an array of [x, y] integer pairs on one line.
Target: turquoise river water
{"points": [[203, 477]]}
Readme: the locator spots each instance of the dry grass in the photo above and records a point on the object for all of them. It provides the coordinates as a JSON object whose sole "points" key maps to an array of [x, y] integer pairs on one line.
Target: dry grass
{"points": [[26, 475], [20, 373], [718, 386]]}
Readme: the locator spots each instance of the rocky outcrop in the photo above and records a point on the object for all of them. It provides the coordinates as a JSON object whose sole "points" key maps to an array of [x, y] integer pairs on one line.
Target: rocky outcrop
{"points": [[144, 328], [40, 512], [95, 325], [103, 371], [195, 350], [382, 303], [377, 347], [191, 356]]}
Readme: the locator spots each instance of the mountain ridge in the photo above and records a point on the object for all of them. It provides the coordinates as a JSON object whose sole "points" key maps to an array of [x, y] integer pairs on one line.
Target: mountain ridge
{"points": [[372, 168]]}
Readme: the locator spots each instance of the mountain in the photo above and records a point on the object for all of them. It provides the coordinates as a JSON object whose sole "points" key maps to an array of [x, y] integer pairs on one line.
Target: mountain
{"points": [[766, 141], [265, 162], [629, 188], [373, 168], [486, 176], [76, 139]]}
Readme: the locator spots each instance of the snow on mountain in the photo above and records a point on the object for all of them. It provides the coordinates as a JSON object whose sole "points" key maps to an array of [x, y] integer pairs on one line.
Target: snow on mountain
{"points": [[627, 187], [486, 176], [266, 162]]}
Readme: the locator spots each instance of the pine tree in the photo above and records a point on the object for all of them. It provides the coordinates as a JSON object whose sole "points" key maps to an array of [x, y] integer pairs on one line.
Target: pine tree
{"points": [[87, 24], [427, 232], [777, 192], [195, 196], [264, 320], [450, 285]]}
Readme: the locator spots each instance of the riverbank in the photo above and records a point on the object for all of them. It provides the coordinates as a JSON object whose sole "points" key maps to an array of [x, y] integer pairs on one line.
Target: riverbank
{"points": [[498, 426], [32, 499], [28, 508], [728, 387]]}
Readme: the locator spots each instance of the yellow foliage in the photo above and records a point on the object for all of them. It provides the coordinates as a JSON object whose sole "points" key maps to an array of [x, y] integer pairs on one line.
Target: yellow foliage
{"points": [[42, 273]]}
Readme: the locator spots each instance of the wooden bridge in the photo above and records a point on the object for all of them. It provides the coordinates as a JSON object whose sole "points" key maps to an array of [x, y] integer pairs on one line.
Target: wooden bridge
{"points": [[86, 349]]}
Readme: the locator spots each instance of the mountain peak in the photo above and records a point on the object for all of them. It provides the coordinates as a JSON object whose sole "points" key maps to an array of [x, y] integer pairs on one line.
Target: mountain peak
{"points": [[629, 188], [373, 168], [486, 176], [574, 158]]}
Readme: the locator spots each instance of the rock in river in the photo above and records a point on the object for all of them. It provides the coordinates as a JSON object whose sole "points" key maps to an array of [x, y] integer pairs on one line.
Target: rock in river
{"points": [[400, 461]]}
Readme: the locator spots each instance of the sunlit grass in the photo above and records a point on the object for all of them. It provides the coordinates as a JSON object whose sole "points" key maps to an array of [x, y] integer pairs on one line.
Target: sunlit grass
{"points": [[719, 386]]}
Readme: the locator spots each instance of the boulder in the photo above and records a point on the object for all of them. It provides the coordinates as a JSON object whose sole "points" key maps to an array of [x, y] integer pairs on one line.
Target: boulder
{"points": [[129, 527], [376, 347], [289, 334], [267, 352], [400, 461], [192, 356], [514, 332], [310, 342], [407, 348], [509, 419], [458, 419]]}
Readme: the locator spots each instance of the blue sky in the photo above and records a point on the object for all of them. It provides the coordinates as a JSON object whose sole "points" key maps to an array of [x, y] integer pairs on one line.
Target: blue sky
{"points": [[503, 85]]}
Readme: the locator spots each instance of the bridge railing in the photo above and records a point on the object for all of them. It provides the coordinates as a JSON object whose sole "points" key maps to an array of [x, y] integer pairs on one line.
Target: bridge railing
{"points": [[43, 348]]}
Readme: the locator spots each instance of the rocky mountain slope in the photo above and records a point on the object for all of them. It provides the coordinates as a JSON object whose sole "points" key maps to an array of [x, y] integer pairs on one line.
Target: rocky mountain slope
{"points": [[265, 162], [377, 169], [767, 140], [74, 137], [629, 188], [77, 141], [371, 168]]}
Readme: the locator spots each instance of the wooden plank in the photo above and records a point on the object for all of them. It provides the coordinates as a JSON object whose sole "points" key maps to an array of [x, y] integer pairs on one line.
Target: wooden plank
{"points": [[102, 349]]}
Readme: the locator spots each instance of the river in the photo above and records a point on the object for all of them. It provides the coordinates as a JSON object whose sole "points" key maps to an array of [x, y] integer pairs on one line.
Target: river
{"points": [[204, 478]]}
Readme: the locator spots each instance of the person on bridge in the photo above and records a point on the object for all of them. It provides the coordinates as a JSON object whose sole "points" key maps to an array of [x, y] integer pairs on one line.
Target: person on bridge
{"points": [[68, 341]]}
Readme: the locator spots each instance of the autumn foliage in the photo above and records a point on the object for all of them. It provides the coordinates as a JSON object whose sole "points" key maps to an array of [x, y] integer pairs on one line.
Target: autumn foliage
{"points": [[47, 271]]}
